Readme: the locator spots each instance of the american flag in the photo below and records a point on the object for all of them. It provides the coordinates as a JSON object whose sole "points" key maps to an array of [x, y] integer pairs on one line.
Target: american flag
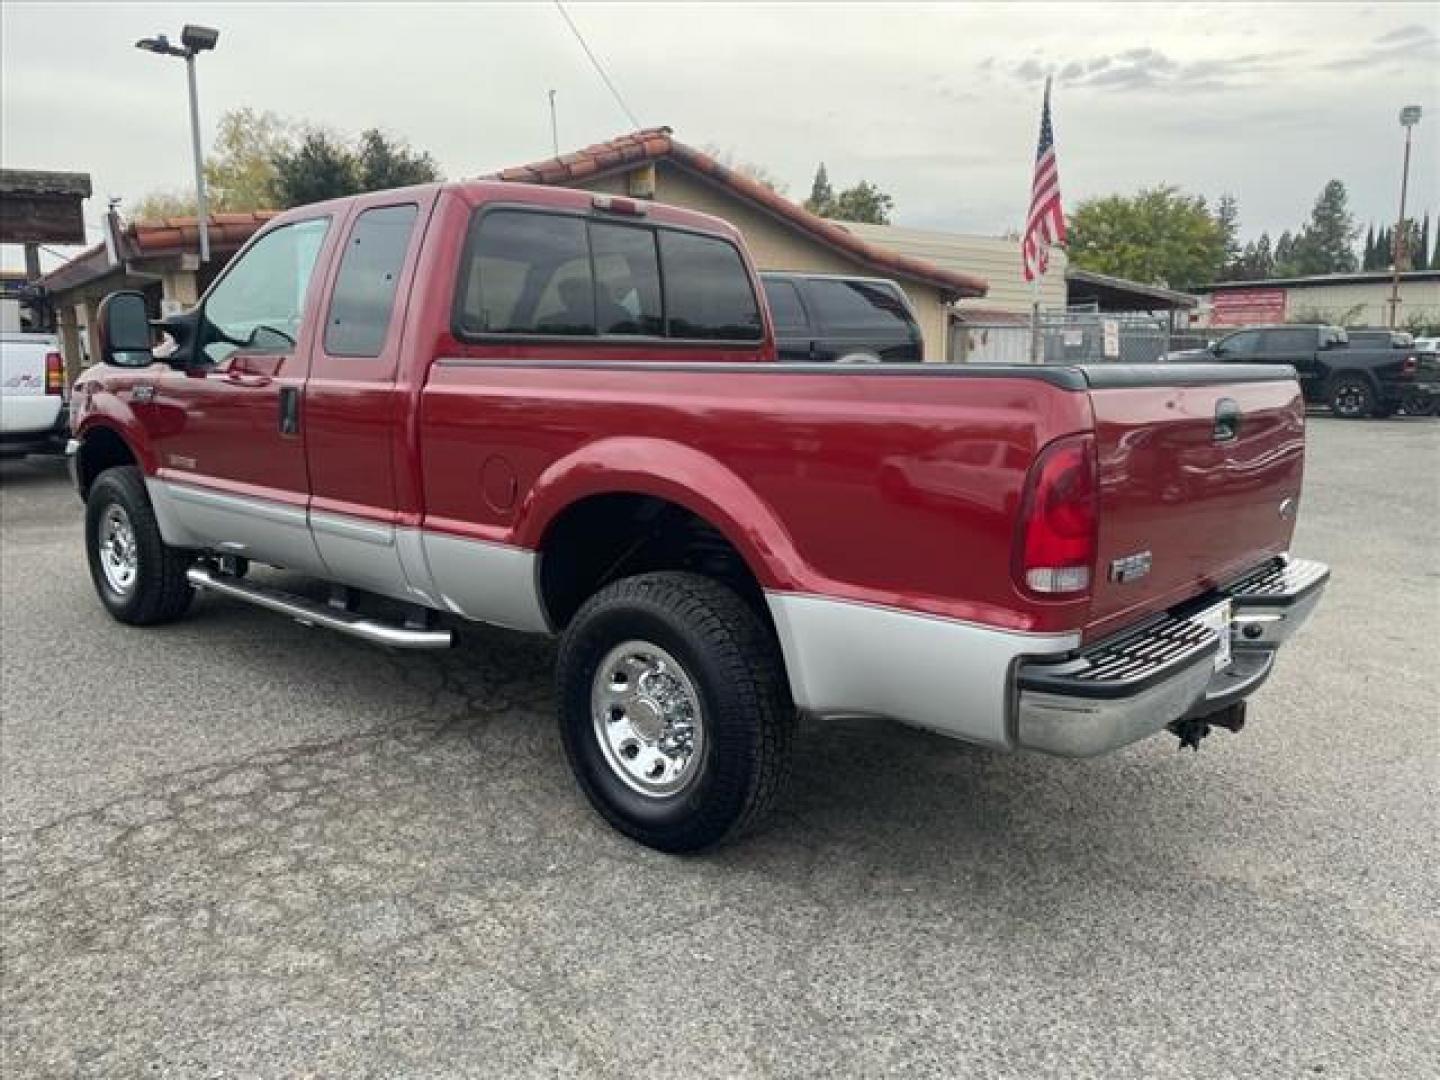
{"points": [[1046, 223]]}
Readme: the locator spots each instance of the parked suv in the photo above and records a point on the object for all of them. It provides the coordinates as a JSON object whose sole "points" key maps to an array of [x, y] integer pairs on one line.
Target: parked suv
{"points": [[846, 320], [1354, 380]]}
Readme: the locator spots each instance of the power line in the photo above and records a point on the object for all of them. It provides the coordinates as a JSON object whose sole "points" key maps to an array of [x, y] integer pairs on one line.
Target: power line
{"points": [[594, 60]]}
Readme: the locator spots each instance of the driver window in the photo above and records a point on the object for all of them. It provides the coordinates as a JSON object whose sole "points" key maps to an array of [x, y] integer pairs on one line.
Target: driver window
{"points": [[260, 302], [1242, 344]]}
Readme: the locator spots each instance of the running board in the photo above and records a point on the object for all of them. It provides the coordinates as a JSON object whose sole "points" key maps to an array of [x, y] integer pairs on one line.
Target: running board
{"points": [[315, 613]]}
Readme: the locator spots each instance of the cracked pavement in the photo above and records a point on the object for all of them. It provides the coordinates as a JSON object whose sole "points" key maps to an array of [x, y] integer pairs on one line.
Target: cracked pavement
{"points": [[235, 846]]}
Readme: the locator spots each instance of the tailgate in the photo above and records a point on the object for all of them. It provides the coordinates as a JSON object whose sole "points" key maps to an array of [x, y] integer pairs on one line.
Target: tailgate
{"points": [[22, 368], [1199, 470]]}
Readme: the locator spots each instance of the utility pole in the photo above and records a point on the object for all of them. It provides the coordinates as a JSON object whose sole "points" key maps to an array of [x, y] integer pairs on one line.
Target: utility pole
{"points": [[1409, 117], [554, 130], [193, 41], [202, 211]]}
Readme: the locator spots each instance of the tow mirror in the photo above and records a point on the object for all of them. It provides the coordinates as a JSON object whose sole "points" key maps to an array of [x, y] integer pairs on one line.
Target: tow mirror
{"points": [[125, 338]]}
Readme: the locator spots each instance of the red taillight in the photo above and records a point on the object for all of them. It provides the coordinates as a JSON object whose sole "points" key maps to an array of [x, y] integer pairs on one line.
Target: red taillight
{"points": [[1055, 547], [1410, 365], [54, 373]]}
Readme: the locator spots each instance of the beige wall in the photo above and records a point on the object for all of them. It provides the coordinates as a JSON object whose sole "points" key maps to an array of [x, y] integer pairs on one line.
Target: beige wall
{"points": [[778, 246], [1366, 305], [994, 258]]}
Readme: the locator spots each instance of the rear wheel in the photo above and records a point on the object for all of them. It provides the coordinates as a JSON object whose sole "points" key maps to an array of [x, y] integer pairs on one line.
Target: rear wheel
{"points": [[1419, 404], [139, 579], [1351, 398], [674, 710]]}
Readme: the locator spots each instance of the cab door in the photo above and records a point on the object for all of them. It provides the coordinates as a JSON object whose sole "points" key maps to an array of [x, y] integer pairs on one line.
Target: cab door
{"points": [[227, 427], [354, 409], [1296, 347]]}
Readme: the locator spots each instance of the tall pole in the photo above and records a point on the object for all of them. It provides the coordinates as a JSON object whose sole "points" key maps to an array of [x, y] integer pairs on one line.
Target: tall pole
{"points": [[1409, 117], [554, 130], [200, 207]]}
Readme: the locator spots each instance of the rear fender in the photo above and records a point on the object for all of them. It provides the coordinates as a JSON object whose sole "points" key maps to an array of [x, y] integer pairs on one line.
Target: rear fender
{"points": [[678, 474]]}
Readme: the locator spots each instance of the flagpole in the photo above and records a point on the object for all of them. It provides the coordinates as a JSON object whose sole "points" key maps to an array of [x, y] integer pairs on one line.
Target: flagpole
{"points": [[1035, 317]]}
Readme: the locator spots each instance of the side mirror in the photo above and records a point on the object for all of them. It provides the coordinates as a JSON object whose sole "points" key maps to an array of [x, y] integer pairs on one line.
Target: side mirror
{"points": [[125, 338]]}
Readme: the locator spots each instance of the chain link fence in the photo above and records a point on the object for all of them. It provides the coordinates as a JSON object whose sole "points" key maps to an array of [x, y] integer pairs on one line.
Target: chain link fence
{"points": [[1073, 337]]}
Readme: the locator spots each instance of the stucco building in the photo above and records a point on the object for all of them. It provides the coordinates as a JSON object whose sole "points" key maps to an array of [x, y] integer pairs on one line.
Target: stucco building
{"points": [[1349, 299]]}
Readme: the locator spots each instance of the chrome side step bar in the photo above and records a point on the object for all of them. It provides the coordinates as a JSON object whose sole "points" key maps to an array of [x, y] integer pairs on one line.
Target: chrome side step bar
{"points": [[314, 613]]}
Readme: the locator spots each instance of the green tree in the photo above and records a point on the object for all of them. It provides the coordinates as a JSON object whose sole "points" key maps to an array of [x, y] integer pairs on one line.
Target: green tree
{"points": [[1227, 216], [1285, 255], [1421, 260], [863, 202], [759, 173], [1327, 243], [1160, 236], [1367, 258], [822, 195], [156, 205], [319, 168], [240, 172], [382, 162], [1257, 261]]}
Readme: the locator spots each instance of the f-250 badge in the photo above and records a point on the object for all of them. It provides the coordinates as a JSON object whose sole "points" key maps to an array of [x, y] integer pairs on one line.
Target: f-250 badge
{"points": [[1130, 567]]}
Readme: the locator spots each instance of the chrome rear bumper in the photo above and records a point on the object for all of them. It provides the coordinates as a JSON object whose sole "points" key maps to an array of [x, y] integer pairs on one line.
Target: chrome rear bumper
{"points": [[1139, 682]]}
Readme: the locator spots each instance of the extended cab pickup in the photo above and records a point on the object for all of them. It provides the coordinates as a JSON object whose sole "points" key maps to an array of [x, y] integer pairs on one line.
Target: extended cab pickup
{"points": [[562, 413], [1355, 379]]}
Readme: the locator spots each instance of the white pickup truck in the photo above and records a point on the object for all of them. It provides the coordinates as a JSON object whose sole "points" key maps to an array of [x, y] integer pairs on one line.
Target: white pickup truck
{"points": [[34, 401]]}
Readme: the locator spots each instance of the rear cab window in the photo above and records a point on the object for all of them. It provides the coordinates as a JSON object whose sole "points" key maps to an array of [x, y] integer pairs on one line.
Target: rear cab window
{"points": [[362, 302], [543, 274], [860, 306]]}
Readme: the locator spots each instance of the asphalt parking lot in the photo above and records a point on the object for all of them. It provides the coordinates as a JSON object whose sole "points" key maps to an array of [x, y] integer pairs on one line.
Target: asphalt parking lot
{"points": [[234, 846]]}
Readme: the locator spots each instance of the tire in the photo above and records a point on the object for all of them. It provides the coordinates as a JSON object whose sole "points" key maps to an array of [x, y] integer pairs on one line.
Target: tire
{"points": [[1418, 404], [141, 581], [1351, 397], [730, 682]]}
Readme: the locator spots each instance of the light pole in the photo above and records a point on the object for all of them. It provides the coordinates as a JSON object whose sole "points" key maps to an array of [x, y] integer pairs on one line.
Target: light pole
{"points": [[193, 41], [1409, 117]]}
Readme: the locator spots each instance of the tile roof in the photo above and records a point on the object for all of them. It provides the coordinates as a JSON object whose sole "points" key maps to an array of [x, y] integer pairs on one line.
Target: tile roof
{"points": [[156, 239], [170, 236], [652, 144]]}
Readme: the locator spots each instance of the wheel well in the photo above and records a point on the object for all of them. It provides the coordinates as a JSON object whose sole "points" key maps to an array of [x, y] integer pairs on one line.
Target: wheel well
{"points": [[101, 449], [603, 538], [1356, 375]]}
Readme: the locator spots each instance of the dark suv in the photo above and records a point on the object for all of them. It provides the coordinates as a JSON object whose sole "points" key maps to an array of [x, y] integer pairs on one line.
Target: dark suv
{"points": [[847, 320]]}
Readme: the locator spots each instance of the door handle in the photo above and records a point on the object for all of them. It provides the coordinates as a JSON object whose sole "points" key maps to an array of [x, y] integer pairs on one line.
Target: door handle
{"points": [[289, 410], [235, 378]]}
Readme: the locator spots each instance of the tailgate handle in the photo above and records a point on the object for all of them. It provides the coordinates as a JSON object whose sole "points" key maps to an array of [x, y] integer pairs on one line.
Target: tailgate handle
{"points": [[1227, 420]]}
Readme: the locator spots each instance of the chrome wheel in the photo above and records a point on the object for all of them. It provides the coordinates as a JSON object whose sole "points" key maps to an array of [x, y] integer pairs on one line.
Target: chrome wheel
{"points": [[1351, 400], [119, 557], [647, 719]]}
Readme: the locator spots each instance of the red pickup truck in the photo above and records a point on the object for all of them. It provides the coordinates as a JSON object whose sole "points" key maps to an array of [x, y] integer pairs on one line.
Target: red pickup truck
{"points": [[562, 413]]}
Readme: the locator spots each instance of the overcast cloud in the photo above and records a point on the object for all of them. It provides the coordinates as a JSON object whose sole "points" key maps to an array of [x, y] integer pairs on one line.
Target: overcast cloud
{"points": [[937, 104]]}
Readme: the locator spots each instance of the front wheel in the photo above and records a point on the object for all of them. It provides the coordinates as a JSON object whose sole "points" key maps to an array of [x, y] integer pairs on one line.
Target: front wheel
{"points": [[674, 711], [140, 580], [1351, 398]]}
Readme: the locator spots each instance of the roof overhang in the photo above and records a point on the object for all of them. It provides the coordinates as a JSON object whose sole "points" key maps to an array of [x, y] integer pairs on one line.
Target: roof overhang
{"points": [[1120, 294]]}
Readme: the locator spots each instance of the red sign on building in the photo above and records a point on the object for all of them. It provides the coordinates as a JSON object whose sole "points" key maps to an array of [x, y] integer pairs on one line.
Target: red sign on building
{"points": [[1246, 307]]}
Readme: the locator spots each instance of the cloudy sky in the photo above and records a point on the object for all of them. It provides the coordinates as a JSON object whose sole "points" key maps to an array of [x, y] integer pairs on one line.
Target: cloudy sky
{"points": [[938, 104]]}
